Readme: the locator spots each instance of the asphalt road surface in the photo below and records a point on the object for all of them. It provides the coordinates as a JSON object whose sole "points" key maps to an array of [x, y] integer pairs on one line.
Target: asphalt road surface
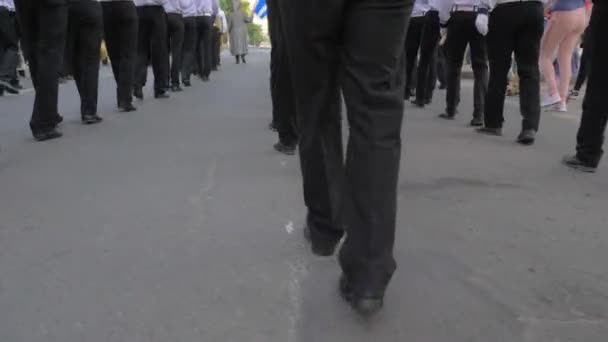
{"points": [[179, 223]]}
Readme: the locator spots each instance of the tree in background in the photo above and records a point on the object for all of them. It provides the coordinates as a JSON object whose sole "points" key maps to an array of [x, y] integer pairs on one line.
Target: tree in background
{"points": [[256, 35]]}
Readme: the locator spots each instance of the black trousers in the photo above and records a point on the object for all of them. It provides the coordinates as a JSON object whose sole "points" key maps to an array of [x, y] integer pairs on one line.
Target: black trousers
{"points": [[175, 24], [427, 66], [281, 83], [85, 32], [217, 47], [152, 45], [9, 45], [204, 45], [189, 49], [412, 45], [44, 29], [120, 31], [331, 50], [590, 136], [462, 32], [515, 28], [442, 67], [583, 70]]}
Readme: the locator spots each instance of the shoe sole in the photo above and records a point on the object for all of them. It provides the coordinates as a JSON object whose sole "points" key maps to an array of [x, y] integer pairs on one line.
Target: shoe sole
{"points": [[586, 169]]}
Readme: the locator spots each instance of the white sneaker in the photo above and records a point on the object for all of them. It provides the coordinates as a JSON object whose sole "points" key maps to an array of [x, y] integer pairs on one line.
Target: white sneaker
{"points": [[550, 100], [559, 107]]}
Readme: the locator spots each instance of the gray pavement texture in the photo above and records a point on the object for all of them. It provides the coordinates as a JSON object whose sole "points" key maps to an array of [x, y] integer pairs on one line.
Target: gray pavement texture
{"points": [[179, 223]]}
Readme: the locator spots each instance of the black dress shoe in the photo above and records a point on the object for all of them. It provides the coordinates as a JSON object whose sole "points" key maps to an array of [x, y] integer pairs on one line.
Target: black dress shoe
{"points": [[91, 119], [52, 133], [447, 116], [489, 131], [476, 122], [161, 95], [58, 119], [573, 162], [419, 103], [364, 305], [527, 137], [127, 108], [176, 88], [319, 248], [138, 93], [187, 83], [288, 149]]}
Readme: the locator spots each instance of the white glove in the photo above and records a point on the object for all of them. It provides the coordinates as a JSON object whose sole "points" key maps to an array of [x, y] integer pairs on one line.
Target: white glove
{"points": [[482, 24]]}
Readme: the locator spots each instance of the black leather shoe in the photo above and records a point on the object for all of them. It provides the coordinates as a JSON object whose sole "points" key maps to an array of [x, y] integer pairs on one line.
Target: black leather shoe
{"points": [[419, 103], [91, 119], [52, 133], [127, 108], [447, 116], [289, 150], [363, 305], [320, 248], [161, 95], [176, 88], [527, 137], [138, 93], [573, 162], [58, 119], [476, 122], [187, 83], [489, 131]]}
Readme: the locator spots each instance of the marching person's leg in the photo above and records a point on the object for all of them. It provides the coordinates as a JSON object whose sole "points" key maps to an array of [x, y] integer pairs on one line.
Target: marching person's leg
{"points": [[158, 48], [479, 62], [458, 37], [9, 51], [590, 137], [189, 54], [412, 45], [206, 47], [428, 49], [87, 17]]}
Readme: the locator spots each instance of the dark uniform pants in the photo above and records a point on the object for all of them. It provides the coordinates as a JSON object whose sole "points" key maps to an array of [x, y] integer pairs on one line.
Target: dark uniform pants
{"points": [[9, 45], [412, 45], [515, 28], [462, 32], [44, 28], [427, 66], [152, 44], [85, 31], [120, 28], [331, 50], [189, 54], [595, 112], [175, 24], [281, 84], [217, 46], [204, 47]]}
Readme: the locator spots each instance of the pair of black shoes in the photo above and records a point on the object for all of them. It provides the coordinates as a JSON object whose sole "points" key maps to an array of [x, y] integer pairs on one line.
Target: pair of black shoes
{"points": [[363, 304], [526, 137]]}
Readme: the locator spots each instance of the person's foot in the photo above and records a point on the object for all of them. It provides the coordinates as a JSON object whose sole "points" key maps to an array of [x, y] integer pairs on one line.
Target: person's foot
{"points": [[91, 119], [559, 107], [243, 59], [127, 108], [52, 133], [443, 86], [272, 126], [409, 93], [447, 116], [288, 149], [176, 88], [573, 162], [319, 248], [161, 95], [550, 100], [490, 131], [205, 78], [573, 96], [419, 103], [58, 119], [364, 305], [187, 83], [428, 101], [476, 122], [138, 93], [8, 87], [527, 137]]}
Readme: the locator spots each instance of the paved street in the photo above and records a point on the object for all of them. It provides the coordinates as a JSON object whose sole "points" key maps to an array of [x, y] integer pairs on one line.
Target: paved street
{"points": [[179, 223]]}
